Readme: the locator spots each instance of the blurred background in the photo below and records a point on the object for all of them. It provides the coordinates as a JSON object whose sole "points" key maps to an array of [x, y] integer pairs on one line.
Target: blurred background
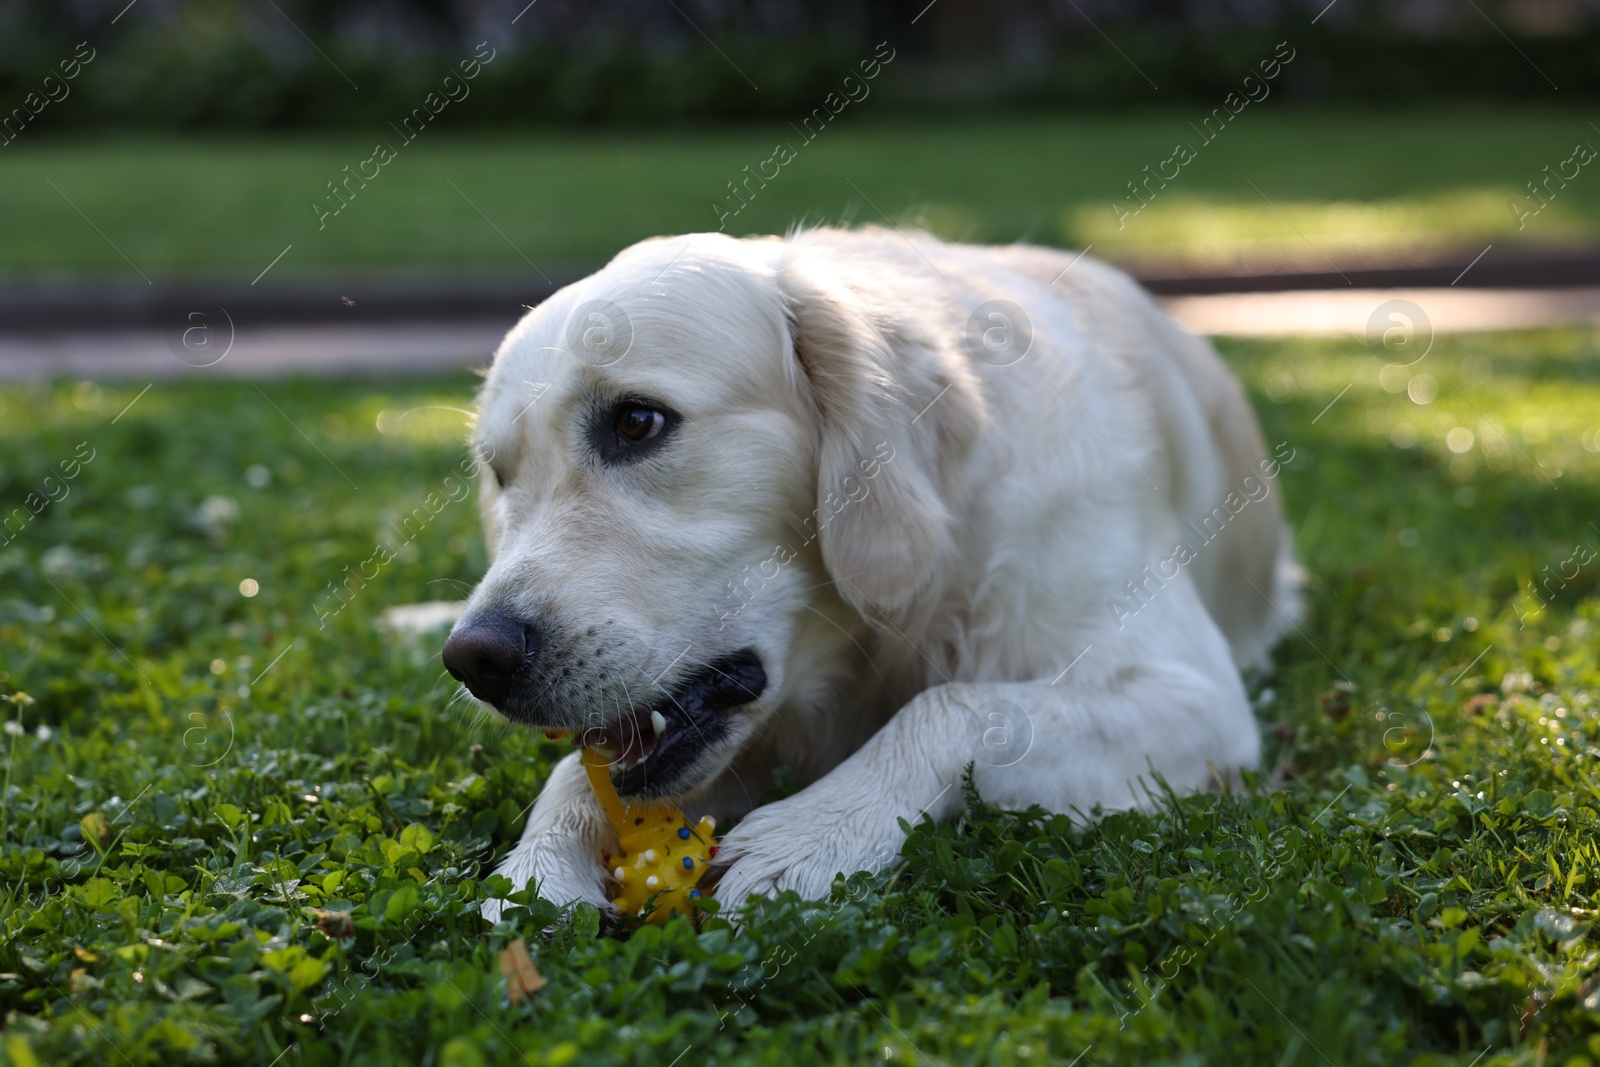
{"points": [[199, 139]]}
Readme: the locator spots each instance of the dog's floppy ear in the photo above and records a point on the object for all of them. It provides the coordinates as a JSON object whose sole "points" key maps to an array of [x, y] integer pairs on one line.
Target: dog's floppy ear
{"points": [[896, 413]]}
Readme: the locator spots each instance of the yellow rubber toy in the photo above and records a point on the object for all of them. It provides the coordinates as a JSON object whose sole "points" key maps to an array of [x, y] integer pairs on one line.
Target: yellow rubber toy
{"points": [[662, 856]]}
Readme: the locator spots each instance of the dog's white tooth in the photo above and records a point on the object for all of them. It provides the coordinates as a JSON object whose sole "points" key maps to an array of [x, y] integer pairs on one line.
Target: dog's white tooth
{"points": [[659, 722]]}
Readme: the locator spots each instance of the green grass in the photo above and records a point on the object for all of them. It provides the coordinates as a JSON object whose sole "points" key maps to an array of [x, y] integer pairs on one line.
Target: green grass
{"points": [[1357, 185], [194, 773]]}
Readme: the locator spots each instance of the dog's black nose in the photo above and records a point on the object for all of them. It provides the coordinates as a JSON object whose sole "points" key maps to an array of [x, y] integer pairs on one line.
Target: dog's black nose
{"points": [[485, 652]]}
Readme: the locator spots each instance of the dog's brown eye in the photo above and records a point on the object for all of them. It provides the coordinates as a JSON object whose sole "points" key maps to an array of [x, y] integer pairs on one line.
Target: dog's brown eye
{"points": [[636, 425], [632, 429]]}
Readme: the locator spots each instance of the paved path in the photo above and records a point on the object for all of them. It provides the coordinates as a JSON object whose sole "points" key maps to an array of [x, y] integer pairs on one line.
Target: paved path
{"points": [[429, 347], [396, 348], [1331, 312]]}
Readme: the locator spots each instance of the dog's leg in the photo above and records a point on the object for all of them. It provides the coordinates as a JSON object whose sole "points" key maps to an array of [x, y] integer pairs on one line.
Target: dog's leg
{"points": [[1091, 740], [562, 843]]}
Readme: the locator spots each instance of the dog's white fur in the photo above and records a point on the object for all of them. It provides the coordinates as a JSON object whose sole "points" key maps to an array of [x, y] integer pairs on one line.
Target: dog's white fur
{"points": [[958, 607]]}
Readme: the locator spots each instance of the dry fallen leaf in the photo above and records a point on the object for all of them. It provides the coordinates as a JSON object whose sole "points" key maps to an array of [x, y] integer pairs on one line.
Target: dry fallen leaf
{"points": [[523, 979], [95, 828], [335, 924]]}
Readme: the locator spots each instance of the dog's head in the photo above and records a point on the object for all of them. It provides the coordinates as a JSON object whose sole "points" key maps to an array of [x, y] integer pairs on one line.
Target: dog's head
{"points": [[681, 450]]}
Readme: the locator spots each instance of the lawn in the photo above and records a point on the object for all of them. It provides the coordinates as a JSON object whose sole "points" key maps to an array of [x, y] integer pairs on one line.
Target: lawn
{"points": [[1275, 187], [236, 823]]}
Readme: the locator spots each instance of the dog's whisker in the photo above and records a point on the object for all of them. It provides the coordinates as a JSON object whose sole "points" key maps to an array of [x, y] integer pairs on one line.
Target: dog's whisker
{"points": [[458, 701], [455, 583]]}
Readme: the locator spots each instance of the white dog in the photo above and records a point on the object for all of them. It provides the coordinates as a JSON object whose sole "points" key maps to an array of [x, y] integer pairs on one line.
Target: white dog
{"points": [[877, 508]]}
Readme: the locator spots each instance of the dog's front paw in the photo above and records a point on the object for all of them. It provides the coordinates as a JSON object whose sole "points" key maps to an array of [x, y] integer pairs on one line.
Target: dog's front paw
{"points": [[801, 843], [559, 875]]}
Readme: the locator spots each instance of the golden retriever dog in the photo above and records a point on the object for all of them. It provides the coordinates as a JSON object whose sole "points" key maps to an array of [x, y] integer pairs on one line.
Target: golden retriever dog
{"points": [[876, 508]]}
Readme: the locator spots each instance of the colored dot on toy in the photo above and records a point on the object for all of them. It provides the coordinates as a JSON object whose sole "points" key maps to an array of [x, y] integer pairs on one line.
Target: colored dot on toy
{"points": [[694, 894], [683, 833], [652, 882], [688, 864]]}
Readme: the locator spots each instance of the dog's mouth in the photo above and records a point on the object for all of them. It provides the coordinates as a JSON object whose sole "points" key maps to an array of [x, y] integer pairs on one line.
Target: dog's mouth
{"points": [[653, 749]]}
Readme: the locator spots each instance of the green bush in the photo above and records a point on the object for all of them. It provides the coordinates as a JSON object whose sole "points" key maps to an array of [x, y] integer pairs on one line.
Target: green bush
{"points": [[205, 65]]}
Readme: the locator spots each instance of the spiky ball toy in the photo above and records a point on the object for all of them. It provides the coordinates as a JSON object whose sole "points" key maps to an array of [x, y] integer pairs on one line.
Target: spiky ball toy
{"points": [[662, 857]]}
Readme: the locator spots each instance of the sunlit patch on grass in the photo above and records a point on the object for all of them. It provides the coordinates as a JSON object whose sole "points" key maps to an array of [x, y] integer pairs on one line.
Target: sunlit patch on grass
{"points": [[1290, 233], [434, 422]]}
